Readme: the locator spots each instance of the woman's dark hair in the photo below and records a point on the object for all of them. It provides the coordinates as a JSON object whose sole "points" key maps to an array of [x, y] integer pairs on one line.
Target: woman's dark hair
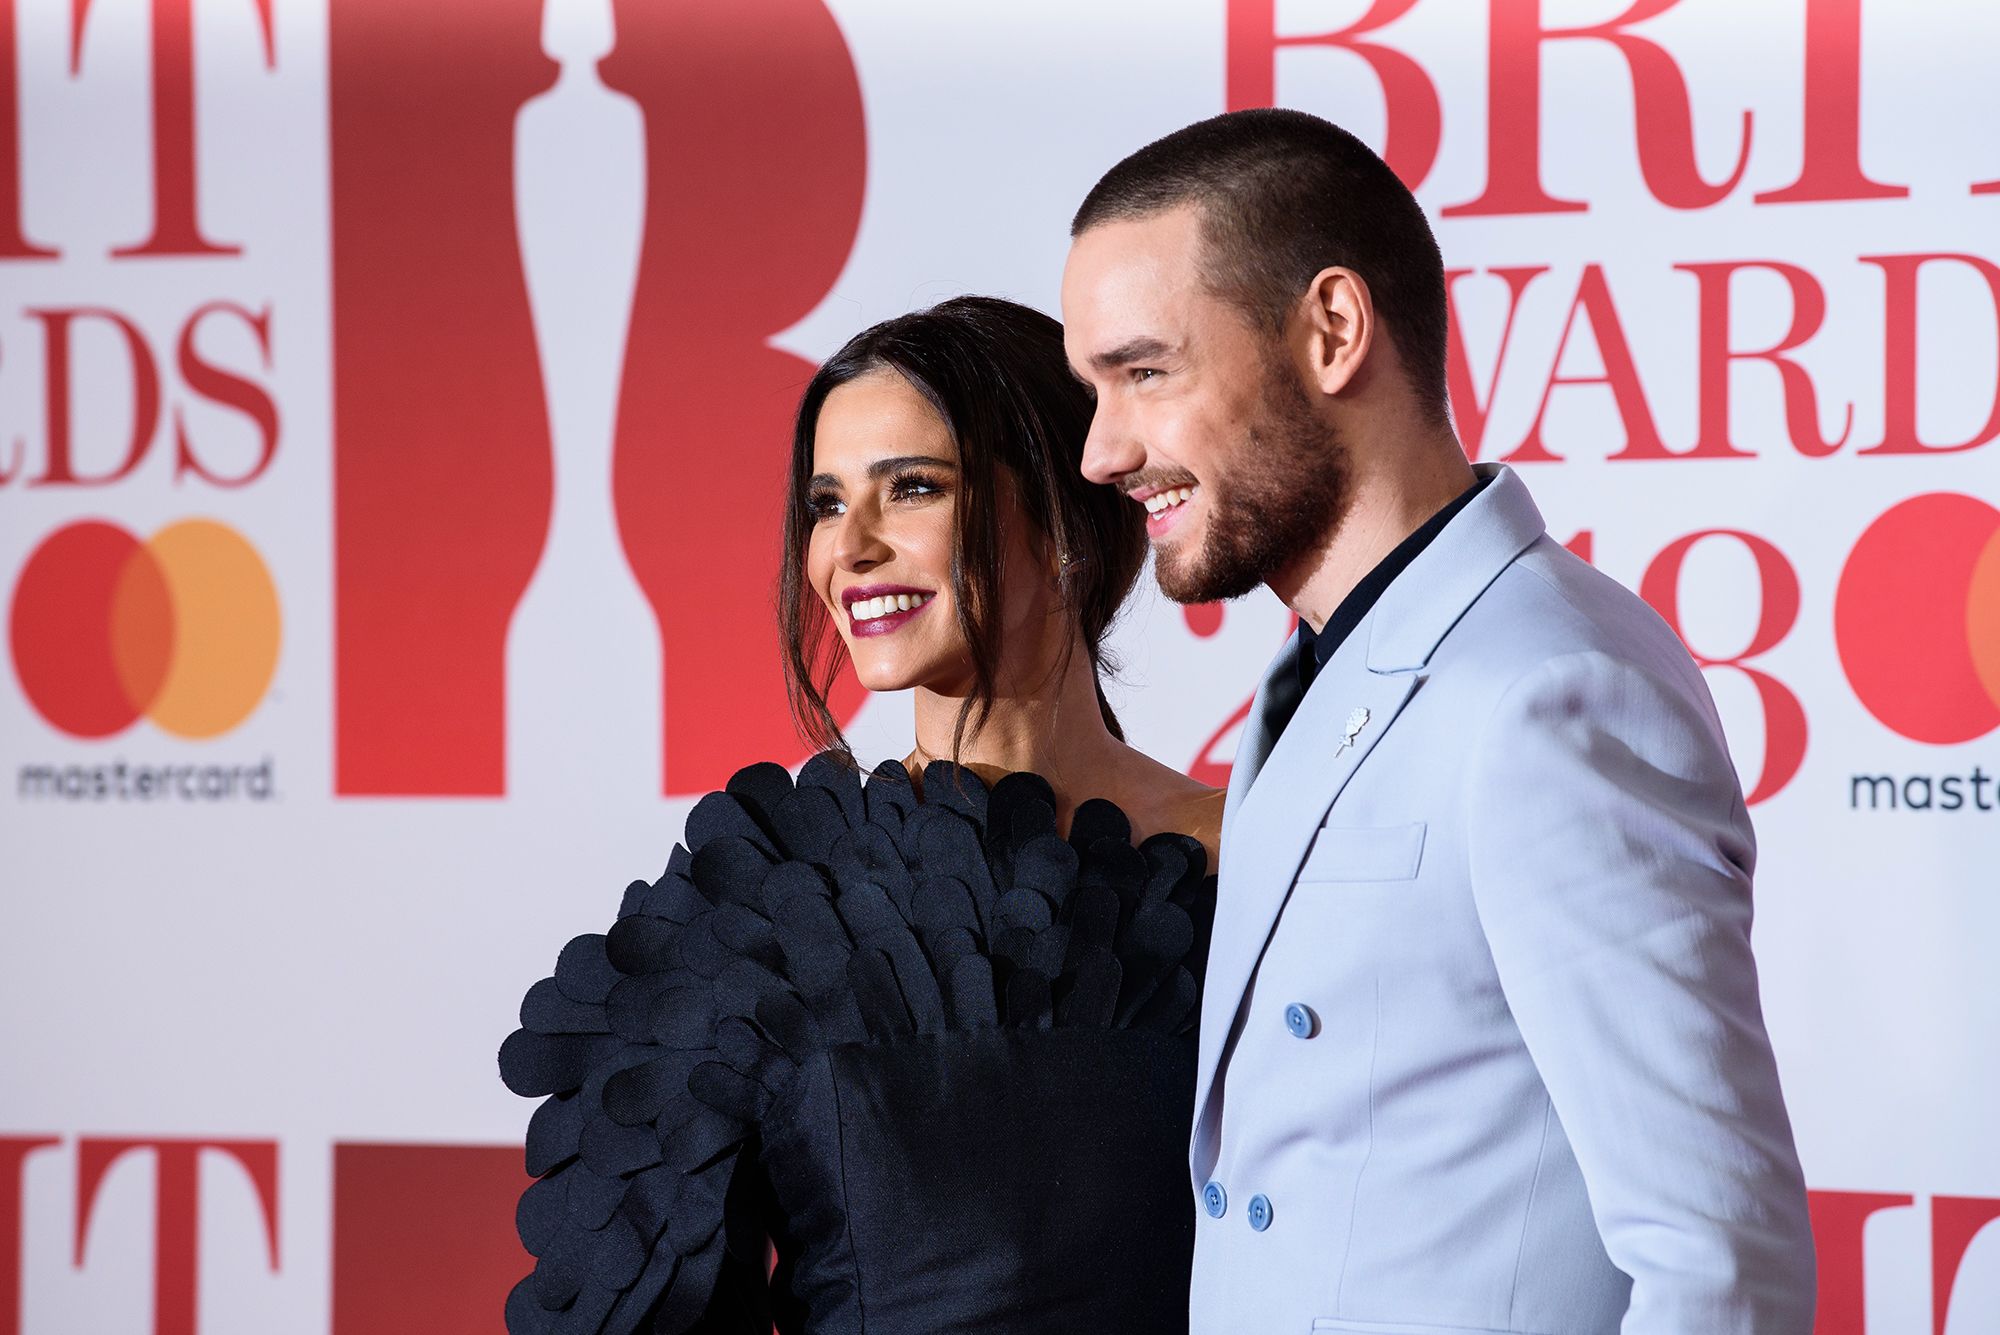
{"points": [[996, 373]]}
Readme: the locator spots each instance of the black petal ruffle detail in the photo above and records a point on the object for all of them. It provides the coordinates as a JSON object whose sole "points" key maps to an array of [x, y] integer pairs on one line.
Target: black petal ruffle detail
{"points": [[798, 917]]}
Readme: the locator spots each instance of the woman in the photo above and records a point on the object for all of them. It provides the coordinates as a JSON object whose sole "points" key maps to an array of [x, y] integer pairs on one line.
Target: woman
{"points": [[931, 1038]]}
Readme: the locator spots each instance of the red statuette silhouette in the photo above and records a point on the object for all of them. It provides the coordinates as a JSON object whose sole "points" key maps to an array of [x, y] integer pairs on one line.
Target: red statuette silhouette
{"points": [[756, 159], [441, 445]]}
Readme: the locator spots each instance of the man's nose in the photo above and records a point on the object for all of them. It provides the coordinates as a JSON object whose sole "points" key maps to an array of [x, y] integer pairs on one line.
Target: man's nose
{"points": [[1110, 451]]}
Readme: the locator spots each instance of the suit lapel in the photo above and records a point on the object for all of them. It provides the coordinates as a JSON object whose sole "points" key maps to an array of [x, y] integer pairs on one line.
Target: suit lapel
{"points": [[1276, 696], [1280, 792], [1276, 813]]}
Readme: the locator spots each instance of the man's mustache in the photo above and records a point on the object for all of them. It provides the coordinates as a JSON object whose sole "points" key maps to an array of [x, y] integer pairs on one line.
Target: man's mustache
{"points": [[1157, 479]]}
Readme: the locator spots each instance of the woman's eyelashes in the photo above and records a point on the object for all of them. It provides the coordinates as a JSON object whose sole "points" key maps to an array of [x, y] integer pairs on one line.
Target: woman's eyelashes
{"points": [[915, 486], [825, 503]]}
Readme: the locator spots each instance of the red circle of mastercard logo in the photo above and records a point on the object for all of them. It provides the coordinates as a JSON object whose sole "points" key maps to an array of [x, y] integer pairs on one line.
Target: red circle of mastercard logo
{"points": [[1917, 618], [182, 628]]}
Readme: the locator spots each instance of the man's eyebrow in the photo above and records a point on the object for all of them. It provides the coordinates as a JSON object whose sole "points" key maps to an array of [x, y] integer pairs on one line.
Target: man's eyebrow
{"points": [[1142, 349], [881, 468]]}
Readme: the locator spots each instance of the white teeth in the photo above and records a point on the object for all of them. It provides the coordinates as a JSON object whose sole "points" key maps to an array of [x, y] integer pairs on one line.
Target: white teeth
{"points": [[1162, 501], [868, 609]]}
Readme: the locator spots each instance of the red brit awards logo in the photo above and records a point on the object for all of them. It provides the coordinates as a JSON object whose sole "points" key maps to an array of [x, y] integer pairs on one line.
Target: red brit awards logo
{"points": [[443, 466]]}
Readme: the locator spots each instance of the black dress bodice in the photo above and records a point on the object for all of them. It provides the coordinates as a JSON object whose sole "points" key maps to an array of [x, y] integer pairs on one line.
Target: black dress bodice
{"points": [[934, 1059]]}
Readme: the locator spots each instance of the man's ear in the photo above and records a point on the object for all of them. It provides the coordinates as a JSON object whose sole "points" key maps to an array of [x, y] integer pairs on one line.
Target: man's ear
{"points": [[1340, 327]]}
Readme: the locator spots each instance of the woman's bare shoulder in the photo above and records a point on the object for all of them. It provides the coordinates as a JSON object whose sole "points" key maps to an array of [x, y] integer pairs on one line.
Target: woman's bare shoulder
{"points": [[1178, 803]]}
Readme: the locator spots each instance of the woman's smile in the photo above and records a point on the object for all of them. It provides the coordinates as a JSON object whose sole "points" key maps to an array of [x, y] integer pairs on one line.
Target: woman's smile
{"points": [[883, 609]]}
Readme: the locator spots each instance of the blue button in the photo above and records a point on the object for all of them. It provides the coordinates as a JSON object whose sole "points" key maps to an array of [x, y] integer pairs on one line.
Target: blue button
{"points": [[1215, 1200], [1301, 1021], [1260, 1212]]}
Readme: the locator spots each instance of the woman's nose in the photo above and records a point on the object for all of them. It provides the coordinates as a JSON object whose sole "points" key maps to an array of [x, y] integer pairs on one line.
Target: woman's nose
{"points": [[859, 545]]}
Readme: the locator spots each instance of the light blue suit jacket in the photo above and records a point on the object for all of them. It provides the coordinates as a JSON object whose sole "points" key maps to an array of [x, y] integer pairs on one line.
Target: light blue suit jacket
{"points": [[1481, 1047]]}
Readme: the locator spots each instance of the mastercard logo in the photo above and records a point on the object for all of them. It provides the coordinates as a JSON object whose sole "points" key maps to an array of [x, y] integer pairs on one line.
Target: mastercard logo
{"points": [[1917, 618], [182, 628]]}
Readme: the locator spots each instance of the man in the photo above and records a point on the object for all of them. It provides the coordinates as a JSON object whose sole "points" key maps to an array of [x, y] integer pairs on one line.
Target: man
{"points": [[1481, 1045]]}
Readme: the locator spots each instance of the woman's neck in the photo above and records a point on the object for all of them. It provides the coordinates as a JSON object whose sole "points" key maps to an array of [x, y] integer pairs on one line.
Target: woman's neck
{"points": [[1049, 722]]}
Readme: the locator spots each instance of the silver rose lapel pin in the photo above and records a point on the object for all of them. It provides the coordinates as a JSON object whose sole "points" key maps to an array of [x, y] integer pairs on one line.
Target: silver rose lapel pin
{"points": [[1356, 721]]}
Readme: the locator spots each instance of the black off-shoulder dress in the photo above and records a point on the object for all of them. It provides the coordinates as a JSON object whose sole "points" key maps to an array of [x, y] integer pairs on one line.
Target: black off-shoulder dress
{"points": [[933, 1058]]}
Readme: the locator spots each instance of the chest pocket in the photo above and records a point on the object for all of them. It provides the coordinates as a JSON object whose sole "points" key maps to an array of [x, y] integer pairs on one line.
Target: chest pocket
{"points": [[1365, 853]]}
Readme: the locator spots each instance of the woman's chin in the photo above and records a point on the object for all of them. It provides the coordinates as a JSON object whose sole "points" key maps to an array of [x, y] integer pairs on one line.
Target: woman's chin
{"points": [[884, 677]]}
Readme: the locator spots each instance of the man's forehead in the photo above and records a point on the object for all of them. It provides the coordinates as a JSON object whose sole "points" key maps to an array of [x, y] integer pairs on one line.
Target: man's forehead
{"points": [[1158, 246], [1119, 270], [1130, 291]]}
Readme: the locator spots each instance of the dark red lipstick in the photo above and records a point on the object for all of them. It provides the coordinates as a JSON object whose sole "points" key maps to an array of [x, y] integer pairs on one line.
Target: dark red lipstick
{"points": [[874, 609]]}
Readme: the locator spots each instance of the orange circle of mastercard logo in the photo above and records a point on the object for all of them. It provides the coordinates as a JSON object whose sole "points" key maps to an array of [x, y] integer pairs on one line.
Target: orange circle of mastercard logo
{"points": [[1917, 618], [182, 628]]}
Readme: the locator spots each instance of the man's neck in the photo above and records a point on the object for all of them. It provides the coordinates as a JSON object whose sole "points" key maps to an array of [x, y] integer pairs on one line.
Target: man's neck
{"points": [[1385, 507]]}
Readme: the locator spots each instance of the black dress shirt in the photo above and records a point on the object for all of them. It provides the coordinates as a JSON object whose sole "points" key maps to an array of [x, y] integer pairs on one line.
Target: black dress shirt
{"points": [[1316, 649]]}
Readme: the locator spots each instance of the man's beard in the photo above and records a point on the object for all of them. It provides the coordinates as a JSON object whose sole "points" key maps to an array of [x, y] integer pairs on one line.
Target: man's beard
{"points": [[1280, 501]]}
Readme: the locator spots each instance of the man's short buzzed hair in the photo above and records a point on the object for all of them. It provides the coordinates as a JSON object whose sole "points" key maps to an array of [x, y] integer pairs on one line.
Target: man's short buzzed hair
{"points": [[1283, 195]]}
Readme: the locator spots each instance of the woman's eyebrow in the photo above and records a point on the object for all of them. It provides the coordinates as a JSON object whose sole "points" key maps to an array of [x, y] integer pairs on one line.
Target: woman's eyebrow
{"points": [[881, 468]]}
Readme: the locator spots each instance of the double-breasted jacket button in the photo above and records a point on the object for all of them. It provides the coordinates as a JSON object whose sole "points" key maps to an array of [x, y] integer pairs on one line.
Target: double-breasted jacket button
{"points": [[1260, 1212], [1214, 1200], [1300, 1019]]}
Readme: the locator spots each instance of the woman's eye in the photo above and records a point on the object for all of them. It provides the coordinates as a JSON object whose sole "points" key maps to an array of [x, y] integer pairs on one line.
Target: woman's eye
{"points": [[824, 505], [912, 486]]}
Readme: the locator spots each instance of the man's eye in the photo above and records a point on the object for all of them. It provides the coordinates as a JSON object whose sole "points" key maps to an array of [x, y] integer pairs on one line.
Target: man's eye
{"points": [[1141, 374]]}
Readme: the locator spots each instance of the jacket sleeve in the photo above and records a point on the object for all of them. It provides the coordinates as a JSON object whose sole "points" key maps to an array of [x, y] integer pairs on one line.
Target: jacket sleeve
{"points": [[1611, 859]]}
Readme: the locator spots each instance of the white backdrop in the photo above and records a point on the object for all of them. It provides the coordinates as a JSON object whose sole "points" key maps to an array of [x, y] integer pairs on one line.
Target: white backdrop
{"points": [[333, 960]]}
